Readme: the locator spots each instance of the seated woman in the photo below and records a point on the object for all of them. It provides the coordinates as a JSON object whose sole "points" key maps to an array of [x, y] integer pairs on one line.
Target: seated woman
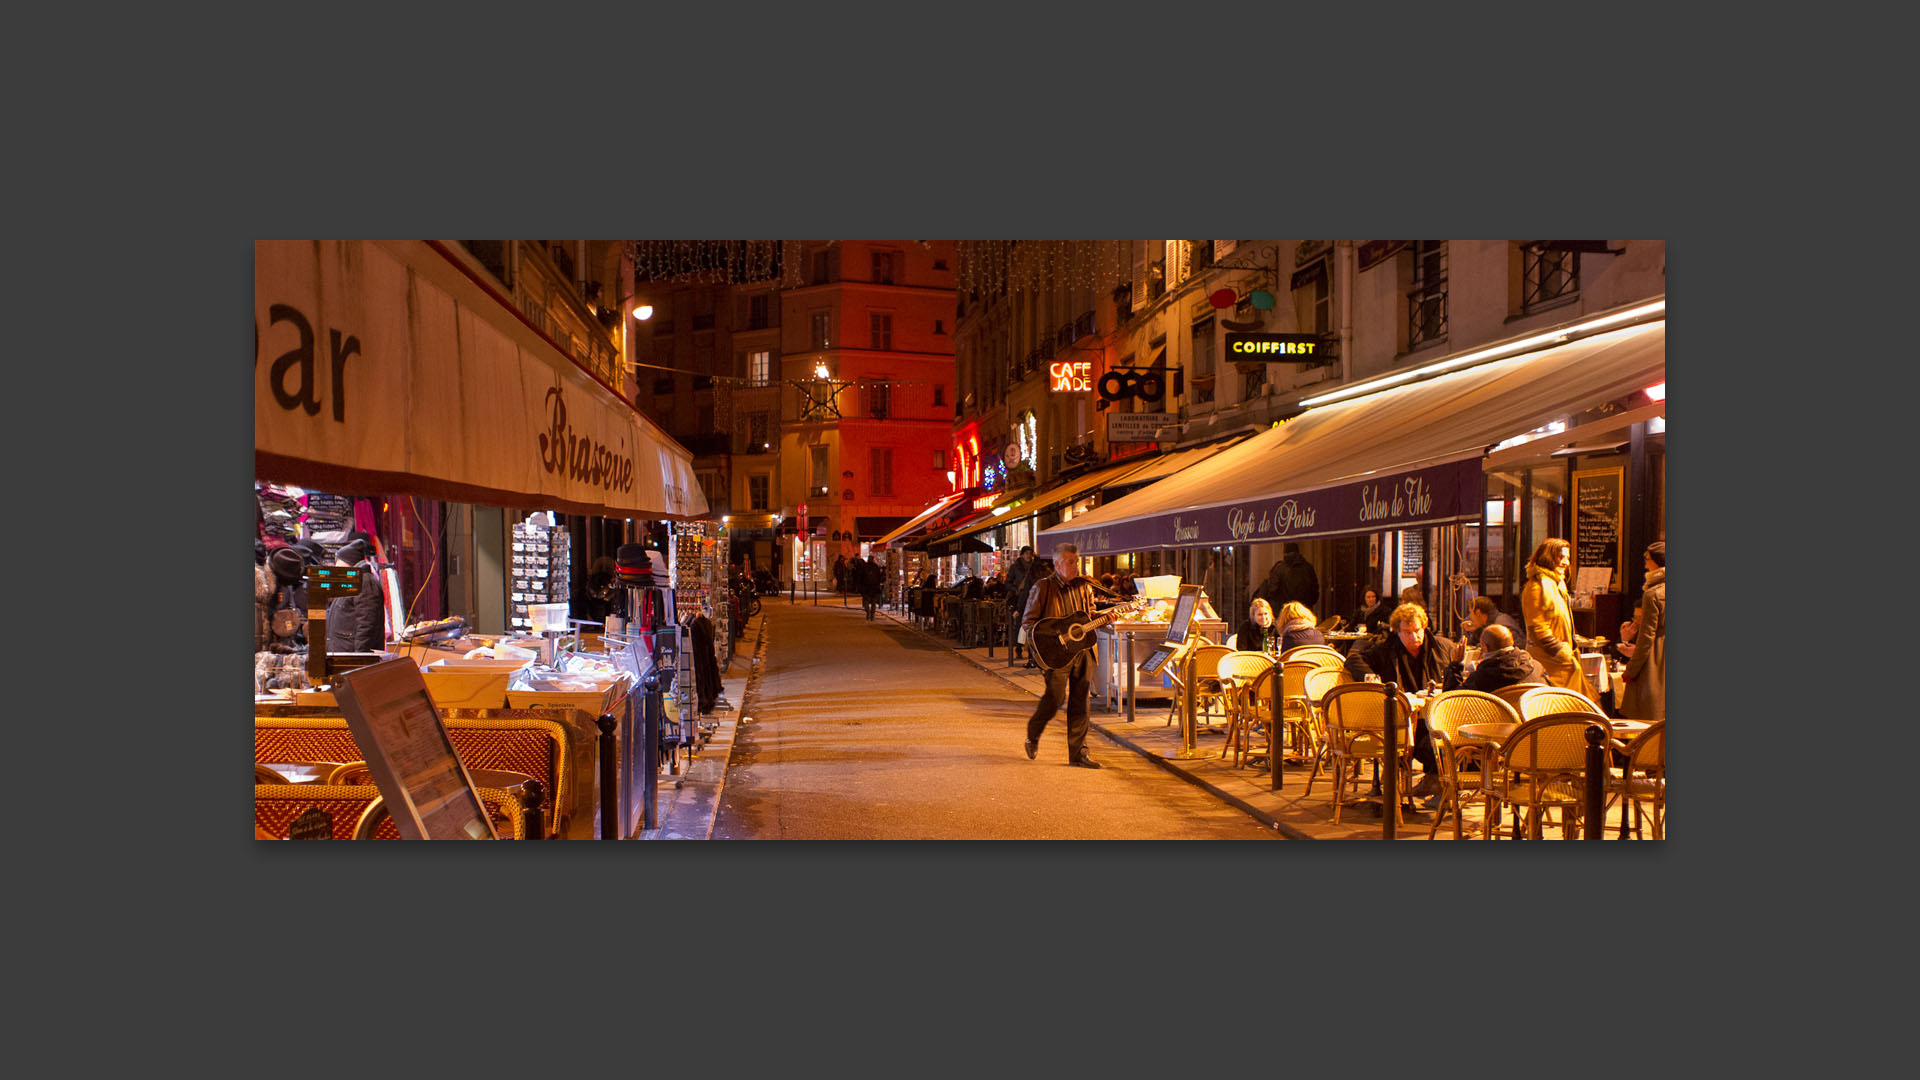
{"points": [[1371, 616], [1257, 632], [1297, 627]]}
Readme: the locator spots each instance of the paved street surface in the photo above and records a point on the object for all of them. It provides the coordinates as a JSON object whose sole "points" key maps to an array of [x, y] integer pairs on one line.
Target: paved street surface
{"points": [[873, 730]]}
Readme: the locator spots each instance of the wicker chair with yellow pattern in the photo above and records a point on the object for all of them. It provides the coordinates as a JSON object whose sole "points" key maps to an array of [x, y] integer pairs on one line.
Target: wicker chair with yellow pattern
{"points": [[1247, 709], [1453, 751], [1542, 764], [304, 738], [276, 805], [1548, 700], [509, 819], [1317, 655], [1316, 683], [1356, 732], [1303, 730], [1644, 779], [535, 747], [1207, 690], [1512, 694]]}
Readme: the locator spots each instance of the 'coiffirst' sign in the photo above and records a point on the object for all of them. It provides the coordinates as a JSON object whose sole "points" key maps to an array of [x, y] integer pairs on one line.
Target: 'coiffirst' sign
{"points": [[1283, 348]]}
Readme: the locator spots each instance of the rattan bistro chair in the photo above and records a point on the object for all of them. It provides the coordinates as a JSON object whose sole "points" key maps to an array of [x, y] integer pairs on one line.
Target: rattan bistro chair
{"points": [[1317, 683], [509, 818], [276, 805], [1644, 779], [1297, 706], [1452, 751], [1548, 700], [1205, 660], [1542, 764], [1356, 732], [1245, 715], [1512, 694], [1317, 655]]}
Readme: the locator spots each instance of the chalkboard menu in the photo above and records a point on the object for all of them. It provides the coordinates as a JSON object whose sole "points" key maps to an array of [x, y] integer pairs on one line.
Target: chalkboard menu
{"points": [[1413, 552], [1597, 537]]}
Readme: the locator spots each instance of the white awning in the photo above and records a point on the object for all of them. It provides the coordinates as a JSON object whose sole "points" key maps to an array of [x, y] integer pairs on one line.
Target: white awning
{"points": [[1401, 457], [386, 367], [914, 523]]}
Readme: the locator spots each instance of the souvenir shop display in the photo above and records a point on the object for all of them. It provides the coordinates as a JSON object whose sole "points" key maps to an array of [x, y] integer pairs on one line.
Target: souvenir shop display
{"points": [[541, 571]]}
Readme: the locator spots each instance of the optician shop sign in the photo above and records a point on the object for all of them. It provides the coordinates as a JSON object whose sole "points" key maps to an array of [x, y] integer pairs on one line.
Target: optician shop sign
{"points": [[1278, 348], [1429, 496]]}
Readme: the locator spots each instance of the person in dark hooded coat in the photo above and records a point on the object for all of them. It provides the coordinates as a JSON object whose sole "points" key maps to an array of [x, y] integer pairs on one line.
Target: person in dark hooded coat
{"points": [[358, 623]]}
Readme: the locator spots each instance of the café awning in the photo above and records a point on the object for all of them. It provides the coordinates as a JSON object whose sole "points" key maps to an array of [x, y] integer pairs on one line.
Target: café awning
{"points": [[390, 367], [1406, 456], [1165, 465], [919, 521]]}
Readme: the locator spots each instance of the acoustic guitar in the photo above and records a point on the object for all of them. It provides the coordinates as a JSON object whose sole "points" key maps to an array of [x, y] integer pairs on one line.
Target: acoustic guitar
{"points": [[1055, 642]]}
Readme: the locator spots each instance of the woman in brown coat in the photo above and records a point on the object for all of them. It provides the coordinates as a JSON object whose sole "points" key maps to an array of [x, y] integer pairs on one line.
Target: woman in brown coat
{"points": [[1646, 674], [1548, 611]]}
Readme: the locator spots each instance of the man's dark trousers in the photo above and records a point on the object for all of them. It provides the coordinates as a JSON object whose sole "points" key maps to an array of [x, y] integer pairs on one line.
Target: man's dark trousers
{"points": [[1069, 684]]}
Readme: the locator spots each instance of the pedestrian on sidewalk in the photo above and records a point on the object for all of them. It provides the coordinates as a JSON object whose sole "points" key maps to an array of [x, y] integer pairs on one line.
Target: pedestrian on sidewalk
{"points": [[872, 579], [1063, 592], [1020, 580]]}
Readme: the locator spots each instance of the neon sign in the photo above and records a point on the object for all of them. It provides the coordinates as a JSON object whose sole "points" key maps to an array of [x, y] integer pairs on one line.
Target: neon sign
{"points": [[1071, 376], [985, 501]]}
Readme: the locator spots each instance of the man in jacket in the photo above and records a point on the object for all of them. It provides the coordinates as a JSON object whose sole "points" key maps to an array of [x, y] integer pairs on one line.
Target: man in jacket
{"points": [[1502, 664], [357, 623], [1411, 658], [1291, 579], [1063, 592], [1485, 613], [872, 581], [1020, 579]]}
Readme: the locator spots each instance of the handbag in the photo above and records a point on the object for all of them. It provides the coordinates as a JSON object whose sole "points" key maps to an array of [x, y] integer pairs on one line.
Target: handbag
{"points": [[287, 619]]}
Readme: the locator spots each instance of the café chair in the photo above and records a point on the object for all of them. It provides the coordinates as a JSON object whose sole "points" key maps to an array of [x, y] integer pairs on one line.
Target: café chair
{"points": [[509, 819], [276, 805], [1242, 672], [1452, 751], [1547, 700], [1643, 779], [264, 775], [1356, 732], [1316, 682], [1512, 694], [1297, 709], [292, 738], [1318, 655], [352, 773], [1541, 765], [1205, 670]]}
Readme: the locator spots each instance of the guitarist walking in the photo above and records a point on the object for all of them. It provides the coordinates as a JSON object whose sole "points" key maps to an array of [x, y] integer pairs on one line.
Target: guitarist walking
{"points": [[1061, 593]]}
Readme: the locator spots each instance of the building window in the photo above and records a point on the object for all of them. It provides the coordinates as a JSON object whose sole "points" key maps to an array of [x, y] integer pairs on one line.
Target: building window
{"points": [[710, 487], [819, 479], [882, 328], [757, 491], [760, 367], [878, 398], [882, 461], [820, 338], [663, 385], [703, 322], [939, 264], [757, 441], [939, 394], [822, 266], [885, 264], [757, 312], [1203, 361], [939, 326], [940, 461], [1427, 297], [1313, 299], [1548, 275]]}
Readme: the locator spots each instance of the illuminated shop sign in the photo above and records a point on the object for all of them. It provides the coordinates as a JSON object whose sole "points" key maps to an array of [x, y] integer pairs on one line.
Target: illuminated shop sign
{"points": [[1277, 347], [1072, 376], [985, 501]]}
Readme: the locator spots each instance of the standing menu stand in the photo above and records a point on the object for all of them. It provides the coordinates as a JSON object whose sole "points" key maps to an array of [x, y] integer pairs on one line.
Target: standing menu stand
{"points": [[426, 788]]}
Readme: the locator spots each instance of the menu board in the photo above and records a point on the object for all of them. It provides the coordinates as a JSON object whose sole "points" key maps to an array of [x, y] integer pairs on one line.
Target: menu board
{"points": [[1413, 552], [1183, 614], [1597, 537], [426, 788]]}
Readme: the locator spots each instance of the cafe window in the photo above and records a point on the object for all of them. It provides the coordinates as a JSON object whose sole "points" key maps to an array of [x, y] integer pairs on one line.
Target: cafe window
{"points": [[1427, 296]]}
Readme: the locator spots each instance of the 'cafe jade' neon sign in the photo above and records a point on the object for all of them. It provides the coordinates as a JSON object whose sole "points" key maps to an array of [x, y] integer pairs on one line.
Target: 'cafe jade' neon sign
{"points": [[1072, 376]]}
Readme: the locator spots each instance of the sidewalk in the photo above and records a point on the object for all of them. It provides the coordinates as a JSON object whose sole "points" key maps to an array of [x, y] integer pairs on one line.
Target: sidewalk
{"points": [[1290, 811], [687, 803]]}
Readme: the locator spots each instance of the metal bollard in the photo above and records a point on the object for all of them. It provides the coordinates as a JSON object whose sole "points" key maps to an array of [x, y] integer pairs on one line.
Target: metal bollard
{"points": [[652, 708], [1390, 763], [531, 821], [1275, 729], [1597, 784], [609, 779]]}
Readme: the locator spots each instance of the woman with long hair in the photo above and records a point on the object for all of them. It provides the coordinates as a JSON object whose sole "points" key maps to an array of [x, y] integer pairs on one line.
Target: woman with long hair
{"points": [[1297, 627], [1548, 610]]}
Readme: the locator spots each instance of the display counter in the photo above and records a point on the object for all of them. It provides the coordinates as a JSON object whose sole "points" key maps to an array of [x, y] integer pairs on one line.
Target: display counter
{"points": [[1122, 646]]}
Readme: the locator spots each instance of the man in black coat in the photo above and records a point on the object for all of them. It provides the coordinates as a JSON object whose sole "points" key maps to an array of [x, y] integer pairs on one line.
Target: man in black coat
{"points": [[1502, 665], [1020, 578], [1410, 657], [1291, 579]]}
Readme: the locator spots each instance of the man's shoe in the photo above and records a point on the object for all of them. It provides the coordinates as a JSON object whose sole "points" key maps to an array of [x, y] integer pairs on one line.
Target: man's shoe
{"points": [[1084, 762], [1032, 749], [1429, 785]]}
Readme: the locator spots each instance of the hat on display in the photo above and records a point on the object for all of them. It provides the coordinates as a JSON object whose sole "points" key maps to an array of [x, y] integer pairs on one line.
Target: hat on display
{"points": [[353, 552], [287, 565], [632, 565]]}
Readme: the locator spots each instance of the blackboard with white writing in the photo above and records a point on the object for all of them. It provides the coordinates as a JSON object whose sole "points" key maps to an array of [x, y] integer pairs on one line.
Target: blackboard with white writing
{"points": [[1597, 540]]}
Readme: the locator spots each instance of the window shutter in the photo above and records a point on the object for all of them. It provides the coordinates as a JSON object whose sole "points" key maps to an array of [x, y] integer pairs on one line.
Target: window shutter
{"points": [[1139, 292], [833, 262]]}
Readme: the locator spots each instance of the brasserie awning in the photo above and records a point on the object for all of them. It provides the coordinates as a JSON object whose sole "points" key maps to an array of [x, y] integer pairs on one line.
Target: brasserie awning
{"points": [[1402, 457], [920, 521], [390, 367]]}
